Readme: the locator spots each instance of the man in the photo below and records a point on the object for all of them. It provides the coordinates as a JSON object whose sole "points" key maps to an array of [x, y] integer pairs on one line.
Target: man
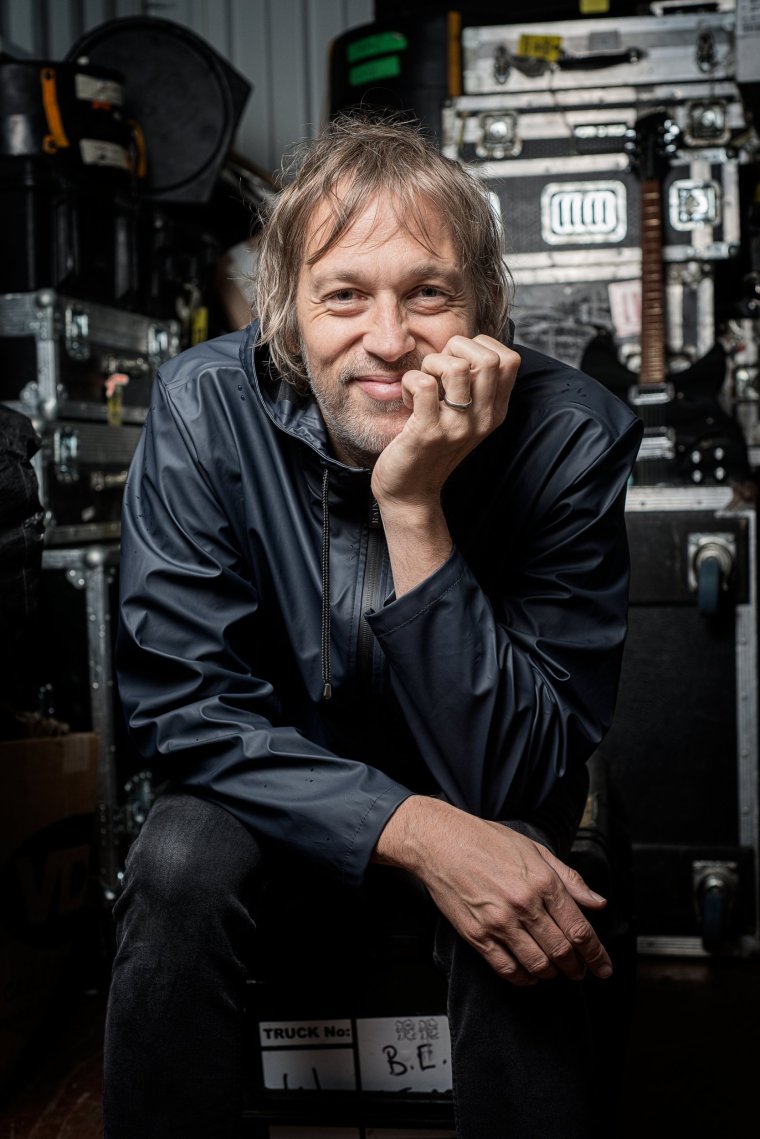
{"points": [[374, 579]]}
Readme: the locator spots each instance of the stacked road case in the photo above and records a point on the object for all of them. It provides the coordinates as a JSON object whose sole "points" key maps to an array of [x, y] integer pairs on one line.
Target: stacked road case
{"points": [[683, 748], [551, 116], [82, 372]]}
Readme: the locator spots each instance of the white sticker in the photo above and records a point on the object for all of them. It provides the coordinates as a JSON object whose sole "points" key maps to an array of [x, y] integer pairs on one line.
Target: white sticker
{"points": [[286, 1033], [96, 90], [748, 14], [307, 1069], [748, 41], [625, 307], [404, 1054], [96, 152]]}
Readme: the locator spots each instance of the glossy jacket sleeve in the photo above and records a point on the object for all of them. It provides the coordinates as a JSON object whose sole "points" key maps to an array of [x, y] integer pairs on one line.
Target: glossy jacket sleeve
{"points": [[188, 609], [506, 689]]}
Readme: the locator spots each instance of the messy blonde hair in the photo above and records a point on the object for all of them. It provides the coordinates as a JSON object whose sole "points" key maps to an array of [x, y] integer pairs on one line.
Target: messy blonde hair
{"points": [[364, 156]]}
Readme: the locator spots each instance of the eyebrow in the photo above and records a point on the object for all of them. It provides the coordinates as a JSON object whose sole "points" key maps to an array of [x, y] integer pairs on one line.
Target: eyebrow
{"points": [[425, 270]]}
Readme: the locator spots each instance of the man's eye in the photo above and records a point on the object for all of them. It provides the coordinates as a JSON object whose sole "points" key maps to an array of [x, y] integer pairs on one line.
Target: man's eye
{"points": [[343, 296], [431, 292]]}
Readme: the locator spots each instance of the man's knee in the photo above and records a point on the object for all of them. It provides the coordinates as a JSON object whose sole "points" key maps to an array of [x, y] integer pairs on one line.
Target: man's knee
{"points": [[190, 852]]}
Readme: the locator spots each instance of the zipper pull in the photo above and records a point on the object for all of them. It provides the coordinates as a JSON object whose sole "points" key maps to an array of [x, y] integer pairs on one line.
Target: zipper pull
{"points": [[375, 520]]}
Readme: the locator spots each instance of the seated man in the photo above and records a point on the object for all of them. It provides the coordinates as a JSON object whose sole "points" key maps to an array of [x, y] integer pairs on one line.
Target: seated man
{"points": [[374, 588]]}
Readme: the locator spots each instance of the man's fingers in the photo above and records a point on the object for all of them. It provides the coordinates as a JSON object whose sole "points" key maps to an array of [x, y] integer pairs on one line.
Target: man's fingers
{"points": [[506, 369], [480, 369], [585, 942], [503, 962], [580, 936], [454, 374], [419, 392], [496, 346], [550, 927], [574, 883], [546, 949], [532, 958], [543, 949]]}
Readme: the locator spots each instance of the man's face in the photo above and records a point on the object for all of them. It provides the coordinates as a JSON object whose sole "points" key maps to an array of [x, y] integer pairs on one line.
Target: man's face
{"points": [[368, 311]]}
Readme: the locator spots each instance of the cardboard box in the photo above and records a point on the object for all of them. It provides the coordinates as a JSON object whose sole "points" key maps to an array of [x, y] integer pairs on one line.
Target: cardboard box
{"points": [[47, 807]]}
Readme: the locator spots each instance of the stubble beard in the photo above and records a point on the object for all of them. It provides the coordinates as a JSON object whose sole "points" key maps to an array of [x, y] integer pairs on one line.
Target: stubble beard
{"points": [[359, 428]]}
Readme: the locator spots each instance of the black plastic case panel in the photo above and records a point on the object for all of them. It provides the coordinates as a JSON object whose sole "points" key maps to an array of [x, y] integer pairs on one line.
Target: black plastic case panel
{"points": [[682, 751]]}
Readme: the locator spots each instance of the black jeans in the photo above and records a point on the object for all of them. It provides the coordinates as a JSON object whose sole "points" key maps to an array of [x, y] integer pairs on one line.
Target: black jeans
{"points": [[523, 1058]]}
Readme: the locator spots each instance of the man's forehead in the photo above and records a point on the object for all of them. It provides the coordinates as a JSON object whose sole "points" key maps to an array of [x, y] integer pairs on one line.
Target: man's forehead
{"points": [[380, 218]]}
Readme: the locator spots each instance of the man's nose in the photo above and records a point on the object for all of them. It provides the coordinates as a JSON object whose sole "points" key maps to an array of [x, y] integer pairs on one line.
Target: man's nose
{"points": [[388, 336]]}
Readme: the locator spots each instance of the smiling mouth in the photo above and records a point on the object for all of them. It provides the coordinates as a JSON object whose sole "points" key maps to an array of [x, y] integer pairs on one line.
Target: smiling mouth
{"points": [[380, 387]]}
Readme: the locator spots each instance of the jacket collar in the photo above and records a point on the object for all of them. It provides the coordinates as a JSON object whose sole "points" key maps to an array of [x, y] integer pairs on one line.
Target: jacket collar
{"points": [[297, 415]]}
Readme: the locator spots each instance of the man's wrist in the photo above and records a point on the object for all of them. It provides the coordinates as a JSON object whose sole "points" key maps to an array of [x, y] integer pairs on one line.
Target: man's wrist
{"points": [[418, 539], [413, 513], [405, 839]]}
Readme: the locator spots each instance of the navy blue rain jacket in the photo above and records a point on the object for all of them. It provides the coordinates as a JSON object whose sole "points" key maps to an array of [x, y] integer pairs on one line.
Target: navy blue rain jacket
{"points": [[487, 682]]}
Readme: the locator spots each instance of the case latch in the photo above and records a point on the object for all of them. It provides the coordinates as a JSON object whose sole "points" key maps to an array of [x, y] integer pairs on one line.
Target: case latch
{"points": [[76, 332]]}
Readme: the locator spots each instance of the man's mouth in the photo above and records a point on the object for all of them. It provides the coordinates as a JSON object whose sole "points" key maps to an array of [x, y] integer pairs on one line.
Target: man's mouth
{"points": [[382, 387]]}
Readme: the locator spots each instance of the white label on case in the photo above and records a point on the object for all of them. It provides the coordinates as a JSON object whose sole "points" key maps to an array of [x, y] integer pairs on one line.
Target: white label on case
{"points": [[309, 1069], [96, 90], [404, 1053], [96, 152]]}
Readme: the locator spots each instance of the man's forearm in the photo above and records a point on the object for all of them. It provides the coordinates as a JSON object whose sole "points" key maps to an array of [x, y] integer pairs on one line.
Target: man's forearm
{"points": [[418, 540]]}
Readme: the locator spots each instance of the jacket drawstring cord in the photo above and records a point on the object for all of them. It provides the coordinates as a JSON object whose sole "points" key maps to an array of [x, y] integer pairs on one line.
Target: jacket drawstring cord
{"points": [[326, 682]]}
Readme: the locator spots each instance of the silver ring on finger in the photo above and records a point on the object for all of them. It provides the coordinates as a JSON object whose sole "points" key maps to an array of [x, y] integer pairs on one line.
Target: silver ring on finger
{"points": [[457, 406]]}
